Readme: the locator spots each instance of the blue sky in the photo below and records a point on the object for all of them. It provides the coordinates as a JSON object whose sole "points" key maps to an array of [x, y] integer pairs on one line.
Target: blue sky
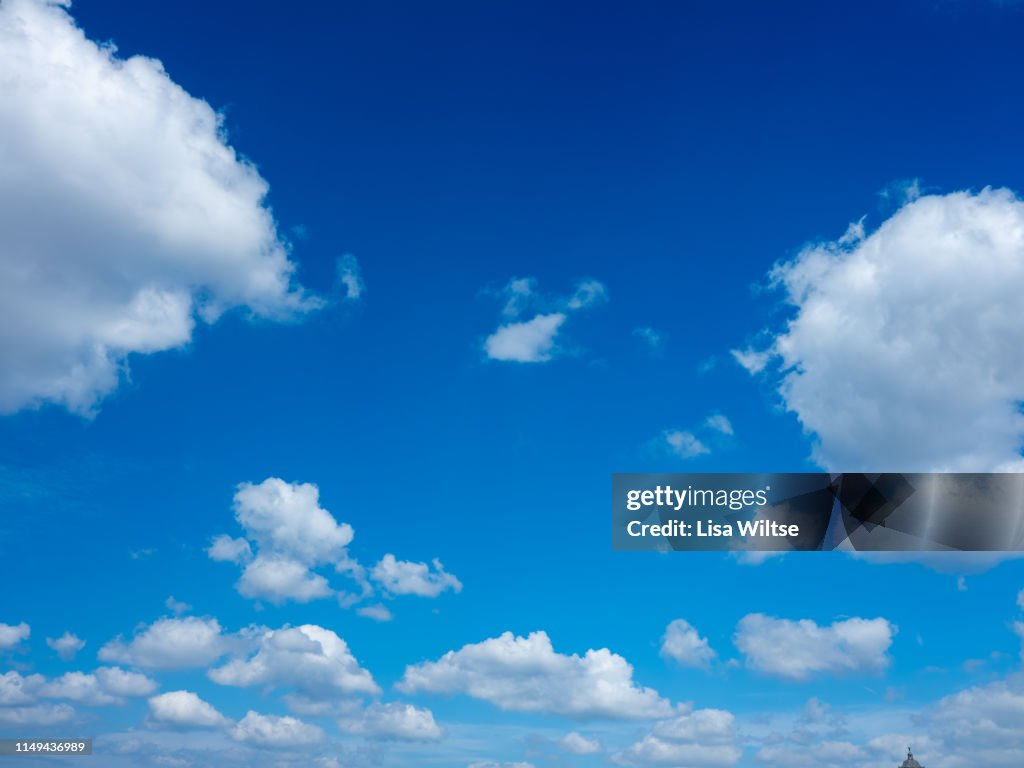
{"points": [[384, 294]]}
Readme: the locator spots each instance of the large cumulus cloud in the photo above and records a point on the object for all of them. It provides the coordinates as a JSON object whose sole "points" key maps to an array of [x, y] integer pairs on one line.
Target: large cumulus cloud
{"points": [[904, 348], [125, 215]]}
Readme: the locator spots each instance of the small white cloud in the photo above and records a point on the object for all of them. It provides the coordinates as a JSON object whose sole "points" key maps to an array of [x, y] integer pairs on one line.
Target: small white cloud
{"points": [[12, 634], [350, 278], [524, 674], [177, 607], [719, 423], [185, 709], [684, 444], [170, 644], [684, 645], [377, 612], [587, 293], [66, 646], [519, 293], [394, 721], [798, 649], [531, 341], [655, 340], [228, 550], [577, 744], [401, 577], [752, 360], [273, 731]]}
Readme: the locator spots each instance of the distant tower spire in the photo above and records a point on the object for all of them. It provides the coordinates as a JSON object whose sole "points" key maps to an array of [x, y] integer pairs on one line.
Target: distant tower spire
{"points": [[910, 762]]}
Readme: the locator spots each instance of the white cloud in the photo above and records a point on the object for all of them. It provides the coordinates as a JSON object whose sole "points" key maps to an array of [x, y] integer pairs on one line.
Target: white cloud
{"points": [[401, 577], [978, 727], [120, 682], [177, 607], [124, 214], [185, 709], [38, 714], [12, 634], [720, 423], [524, 674], [709, 726], [798, 649], [228, 550], [492, 764], [350, 277], [519, 293], [985, 722], [533, 340], [684, 645], [902, 351], [79, 687], [309, 658], [377, 612], [687, 444], [652, 750], [107, 686], [587, 293], [751, 360], [654, 339], [66, 646], [822, 753], [703, 737], [530, 341], [170, 644], [684, 444], [394, 720], [274, 731], [286, 518], [15, 688], [292, 534], [577, 744], [278, 578]]}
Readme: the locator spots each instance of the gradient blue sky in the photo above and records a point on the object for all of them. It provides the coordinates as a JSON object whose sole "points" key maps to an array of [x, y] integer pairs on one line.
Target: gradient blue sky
{"points": [[672, 152]]}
